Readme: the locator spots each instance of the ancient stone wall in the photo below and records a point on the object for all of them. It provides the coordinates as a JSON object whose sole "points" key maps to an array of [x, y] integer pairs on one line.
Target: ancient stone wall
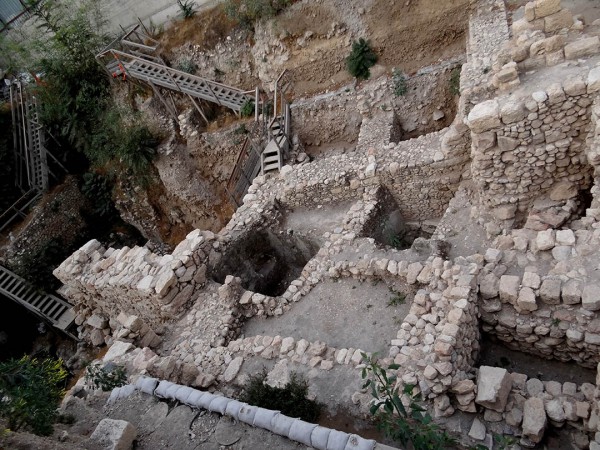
{"points": [[107, 282], [525, 144]]}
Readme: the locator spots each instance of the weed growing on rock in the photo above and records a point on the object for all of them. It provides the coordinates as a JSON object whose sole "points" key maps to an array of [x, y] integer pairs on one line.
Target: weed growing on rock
{"points": [[399, 80], [291, 400], [247, 109], [187, 65], [105, 377], [361, 59], [398, 298], [399, 414], [187, 8], [455, 81]]}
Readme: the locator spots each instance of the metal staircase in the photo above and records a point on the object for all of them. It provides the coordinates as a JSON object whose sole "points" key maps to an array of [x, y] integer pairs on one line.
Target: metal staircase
{"points": [[31, 169], [266, 145], [133, 56], [48, 307]]}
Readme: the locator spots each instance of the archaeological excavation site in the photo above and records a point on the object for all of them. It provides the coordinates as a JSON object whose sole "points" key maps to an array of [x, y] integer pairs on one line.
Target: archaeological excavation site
{"points": [[279, 224]]}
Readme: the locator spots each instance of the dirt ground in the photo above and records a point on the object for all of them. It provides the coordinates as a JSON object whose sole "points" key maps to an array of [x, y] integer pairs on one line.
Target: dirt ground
{"points": [[314, 222], [344, 314]]}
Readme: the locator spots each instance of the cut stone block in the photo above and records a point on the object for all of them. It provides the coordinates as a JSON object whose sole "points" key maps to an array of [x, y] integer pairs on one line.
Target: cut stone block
{"points": [[571, 292], [509, 288], [534, 419], [493, 387], [550, 291], [543, 8], [526, 300], [590, 298], [558, 21], [484, 116], [113, 434], [582, 48]]}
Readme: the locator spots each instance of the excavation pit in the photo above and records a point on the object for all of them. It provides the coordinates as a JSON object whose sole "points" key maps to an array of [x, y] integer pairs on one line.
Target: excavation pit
{"points": [[495, 353], [266, 261]]}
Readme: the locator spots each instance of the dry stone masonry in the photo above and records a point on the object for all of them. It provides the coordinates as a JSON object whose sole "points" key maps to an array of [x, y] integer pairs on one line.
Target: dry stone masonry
{"points": [[519, 165]]}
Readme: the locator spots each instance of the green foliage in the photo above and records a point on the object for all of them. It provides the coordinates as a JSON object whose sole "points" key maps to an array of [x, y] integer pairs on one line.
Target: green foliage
{"points": [[105, 377], [187, 8], [403, 421], [98, 190], [455, 81], [247, 109], [503, 441], [398, 298], [399, 80], [187, 65], [247, 12], [290, 400], [30, 390], [361, 59]]}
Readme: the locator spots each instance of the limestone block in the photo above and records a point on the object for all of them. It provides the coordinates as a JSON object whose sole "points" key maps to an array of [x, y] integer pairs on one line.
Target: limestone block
{"points": [[477, 430], [531, 280], [526, 300], [543, 8], [513, 111], [565, 237], [484, 116], [558, 21], [116, 350], [488, 287], [550, 291], [97, 321], [564, 190], [545, 239], [493, 387], [509, 288], [555, 411], [534, 419], [590, 297], [574, 85], [571, 292], [113, 434], [593, 80], [582, 48], [164, 282], [233, 369]]}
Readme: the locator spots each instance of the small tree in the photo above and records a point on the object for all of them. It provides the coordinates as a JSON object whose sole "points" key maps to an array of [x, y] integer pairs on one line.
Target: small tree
{"points": [[406, 424], [30, 390], [361, 59], [187, 8]]}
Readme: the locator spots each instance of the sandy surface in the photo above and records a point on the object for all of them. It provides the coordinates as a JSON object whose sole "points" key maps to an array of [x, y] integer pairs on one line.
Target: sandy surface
{"points": [[343, 314]]}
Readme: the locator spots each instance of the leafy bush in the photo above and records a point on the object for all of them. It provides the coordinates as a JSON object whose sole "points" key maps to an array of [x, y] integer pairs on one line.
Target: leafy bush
{"points": [[399, 80], [247, 12], [30, 390], [455, 81], [361, 59], [187, 8], [291, 400], [105, 377], [406, 424], [247, 109], [187, 65]]}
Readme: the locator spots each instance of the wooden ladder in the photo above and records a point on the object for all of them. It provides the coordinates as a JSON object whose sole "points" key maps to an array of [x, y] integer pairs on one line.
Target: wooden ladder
{"points": [[48, 307]]}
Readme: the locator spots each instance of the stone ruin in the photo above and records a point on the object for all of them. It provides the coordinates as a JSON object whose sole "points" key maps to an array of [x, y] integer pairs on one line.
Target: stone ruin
{"points": [[519, 163]]}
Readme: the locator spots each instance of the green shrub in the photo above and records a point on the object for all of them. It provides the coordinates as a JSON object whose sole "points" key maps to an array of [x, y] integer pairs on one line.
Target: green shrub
{"points": [[30, 390], [291, 400], [187, 65], [361, 59], [455, 81], [247, 109], [405, 424], [187, 8], [399, 80], [105, 377]]}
